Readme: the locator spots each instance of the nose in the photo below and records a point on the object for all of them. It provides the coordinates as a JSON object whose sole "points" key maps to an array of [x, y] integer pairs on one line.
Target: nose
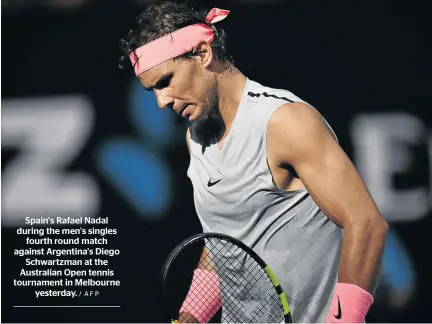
{"points": [[163, 99]]}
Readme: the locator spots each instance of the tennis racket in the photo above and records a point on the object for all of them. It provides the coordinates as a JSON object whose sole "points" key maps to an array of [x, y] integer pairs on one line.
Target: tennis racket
{"points": [[249, 290]]}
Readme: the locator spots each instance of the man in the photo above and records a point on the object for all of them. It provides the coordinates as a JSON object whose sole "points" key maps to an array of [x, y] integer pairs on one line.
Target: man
{"points": [[265, 166]]}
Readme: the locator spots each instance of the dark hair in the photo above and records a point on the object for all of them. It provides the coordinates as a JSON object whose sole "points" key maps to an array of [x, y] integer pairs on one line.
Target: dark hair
{"points": [[167, 17]]}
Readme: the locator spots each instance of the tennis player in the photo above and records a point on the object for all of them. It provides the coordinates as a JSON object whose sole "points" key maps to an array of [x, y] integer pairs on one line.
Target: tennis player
{"points": [[265, 167]]}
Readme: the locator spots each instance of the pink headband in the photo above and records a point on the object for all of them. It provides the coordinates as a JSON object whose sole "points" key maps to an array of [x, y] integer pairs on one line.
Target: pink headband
{"points": [[177, 43]]}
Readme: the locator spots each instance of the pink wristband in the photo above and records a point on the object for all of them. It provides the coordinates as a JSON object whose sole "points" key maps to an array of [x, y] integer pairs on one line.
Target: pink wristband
{"points": [[203, 299], [350, 304]]}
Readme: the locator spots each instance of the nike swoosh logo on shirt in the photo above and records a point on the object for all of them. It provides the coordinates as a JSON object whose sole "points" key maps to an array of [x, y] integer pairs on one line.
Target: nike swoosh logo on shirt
{"points": [[210, 183]]}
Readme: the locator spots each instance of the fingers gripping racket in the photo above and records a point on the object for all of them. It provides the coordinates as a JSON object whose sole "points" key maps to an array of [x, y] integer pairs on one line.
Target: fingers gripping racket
{"points": [[232, 277]]}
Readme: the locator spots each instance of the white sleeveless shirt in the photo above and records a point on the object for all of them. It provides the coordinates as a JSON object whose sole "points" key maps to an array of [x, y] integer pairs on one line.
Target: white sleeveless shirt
{"points": [[234, 194]]}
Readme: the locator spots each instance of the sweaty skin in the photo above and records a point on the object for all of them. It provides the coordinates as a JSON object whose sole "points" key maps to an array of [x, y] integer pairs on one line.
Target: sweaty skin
{"points": [[298, 137]]}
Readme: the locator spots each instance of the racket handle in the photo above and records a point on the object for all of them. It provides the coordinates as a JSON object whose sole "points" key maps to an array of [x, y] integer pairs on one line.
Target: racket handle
{"points": [[203, 299]]}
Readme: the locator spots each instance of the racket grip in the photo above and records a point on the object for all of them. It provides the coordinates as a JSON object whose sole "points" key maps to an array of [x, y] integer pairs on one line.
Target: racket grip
{"points": [[203, 299]]}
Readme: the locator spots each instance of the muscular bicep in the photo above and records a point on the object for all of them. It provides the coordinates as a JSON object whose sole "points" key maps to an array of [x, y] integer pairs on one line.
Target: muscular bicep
{"points": [[301, 138]]}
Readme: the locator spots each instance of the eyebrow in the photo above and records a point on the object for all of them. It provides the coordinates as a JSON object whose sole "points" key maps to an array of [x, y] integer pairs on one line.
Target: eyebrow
{"points": [[165, 77]]}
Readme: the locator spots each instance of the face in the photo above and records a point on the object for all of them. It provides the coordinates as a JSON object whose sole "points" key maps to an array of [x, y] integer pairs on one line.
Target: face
{"points": [[185, 86]]}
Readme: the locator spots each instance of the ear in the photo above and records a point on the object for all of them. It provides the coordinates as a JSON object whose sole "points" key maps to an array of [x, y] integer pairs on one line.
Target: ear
{"points": [[204, 54]]}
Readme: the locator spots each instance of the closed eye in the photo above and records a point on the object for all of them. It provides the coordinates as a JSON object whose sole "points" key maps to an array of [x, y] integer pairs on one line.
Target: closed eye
{"points": [[163, 82]]}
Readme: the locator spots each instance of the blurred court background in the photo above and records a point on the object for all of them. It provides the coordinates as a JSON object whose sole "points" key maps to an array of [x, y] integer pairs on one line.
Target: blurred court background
{"points": [[82, 138]]}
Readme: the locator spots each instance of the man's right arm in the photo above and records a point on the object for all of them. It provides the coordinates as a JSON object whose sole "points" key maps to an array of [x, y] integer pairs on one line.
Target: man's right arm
{"points": [[205, 262], [187, 139]]}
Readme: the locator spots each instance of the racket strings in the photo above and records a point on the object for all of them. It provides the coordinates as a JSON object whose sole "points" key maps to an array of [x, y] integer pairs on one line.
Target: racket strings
{"points": [[244, 290], [249, 293]]}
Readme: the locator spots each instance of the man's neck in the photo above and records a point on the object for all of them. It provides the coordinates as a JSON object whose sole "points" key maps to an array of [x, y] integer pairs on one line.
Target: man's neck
{"points": [[231, 84]]}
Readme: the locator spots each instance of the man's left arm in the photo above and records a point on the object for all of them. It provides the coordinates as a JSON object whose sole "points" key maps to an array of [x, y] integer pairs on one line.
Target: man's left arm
{"points": [[298, 136]]}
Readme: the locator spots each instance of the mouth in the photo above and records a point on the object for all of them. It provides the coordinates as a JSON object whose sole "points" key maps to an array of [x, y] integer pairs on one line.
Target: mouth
{"points": [[182, 110], [184, 113]]}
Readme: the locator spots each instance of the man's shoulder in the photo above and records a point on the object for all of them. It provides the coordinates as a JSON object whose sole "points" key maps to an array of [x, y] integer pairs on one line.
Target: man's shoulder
{"points": [[294, 118], [263, 102], [295, 112], [272, 95]]}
